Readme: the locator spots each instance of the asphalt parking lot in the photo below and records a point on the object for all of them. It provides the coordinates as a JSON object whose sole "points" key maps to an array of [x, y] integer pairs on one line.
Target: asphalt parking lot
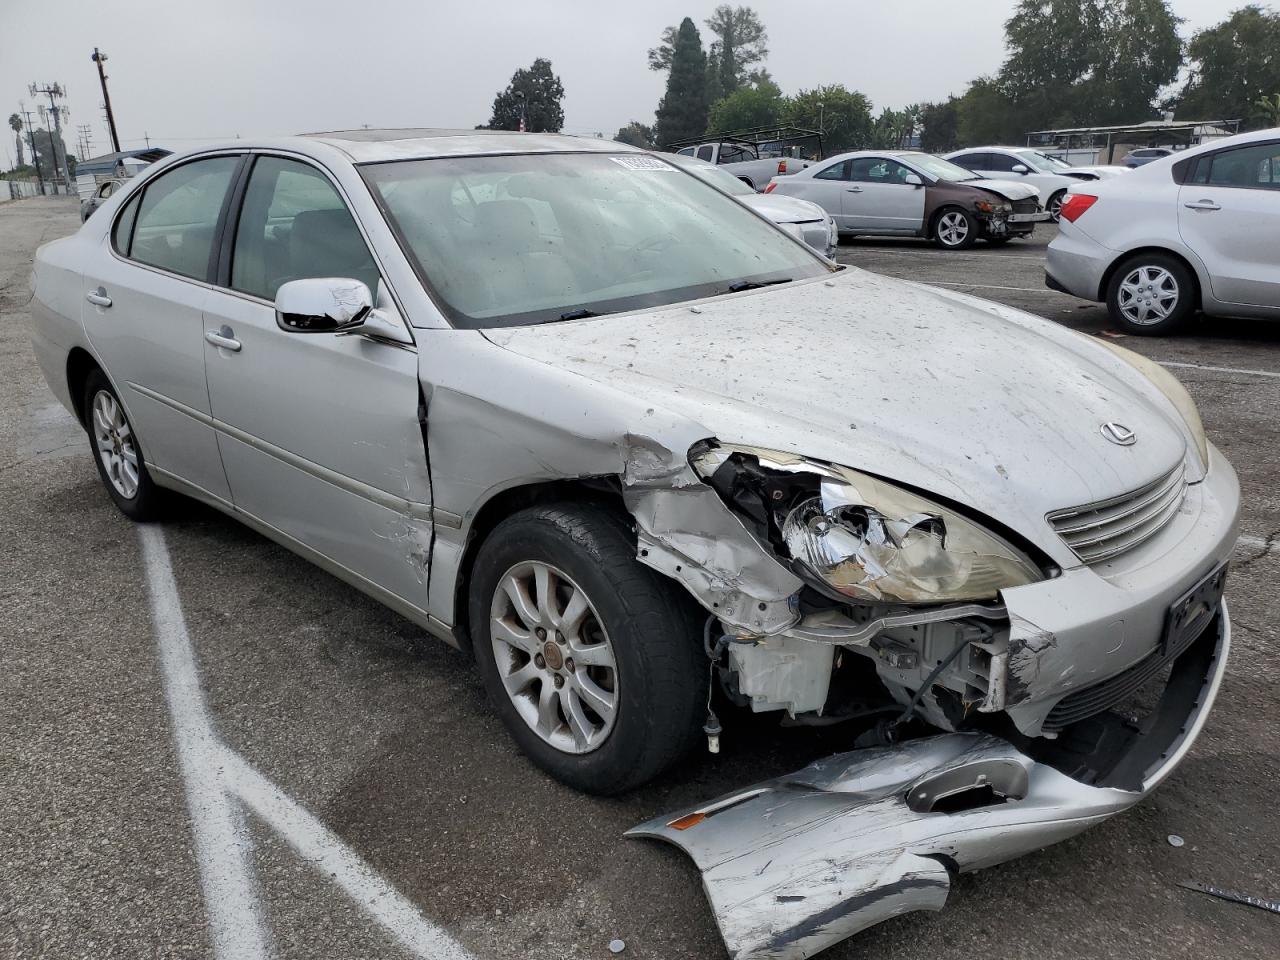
{"points": [[369, 803]]}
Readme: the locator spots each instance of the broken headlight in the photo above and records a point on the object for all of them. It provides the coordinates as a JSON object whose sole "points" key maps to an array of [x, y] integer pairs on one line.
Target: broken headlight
{"points": [[993, 207], [855, 537]]}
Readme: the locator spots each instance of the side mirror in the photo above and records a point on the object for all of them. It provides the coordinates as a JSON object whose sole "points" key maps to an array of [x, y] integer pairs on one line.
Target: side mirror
{"points": [[333, 305], [913, 179], [1021, 168]]}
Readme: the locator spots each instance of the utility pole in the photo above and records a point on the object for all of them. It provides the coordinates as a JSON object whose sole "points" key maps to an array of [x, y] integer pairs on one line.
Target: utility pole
{"points": [[100, 59], [54, 93], [86, 140], [31, 137]]}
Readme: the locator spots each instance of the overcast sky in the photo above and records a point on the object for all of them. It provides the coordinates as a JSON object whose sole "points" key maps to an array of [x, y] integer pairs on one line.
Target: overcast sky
{"points": [[184, 72]]}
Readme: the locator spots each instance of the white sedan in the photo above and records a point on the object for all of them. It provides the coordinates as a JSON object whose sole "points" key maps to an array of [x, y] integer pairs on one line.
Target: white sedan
{"points": [[801, 218], [1022, 164], [1197, 229]]}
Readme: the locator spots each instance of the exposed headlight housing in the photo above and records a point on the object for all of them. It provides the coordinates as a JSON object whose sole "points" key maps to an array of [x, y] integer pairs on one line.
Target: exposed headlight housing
{"points": [[993, 206], [858, 538], [1168, 384]]}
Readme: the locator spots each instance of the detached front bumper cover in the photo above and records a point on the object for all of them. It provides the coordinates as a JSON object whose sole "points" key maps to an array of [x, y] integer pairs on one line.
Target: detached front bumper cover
{"points": [[794, 865]]}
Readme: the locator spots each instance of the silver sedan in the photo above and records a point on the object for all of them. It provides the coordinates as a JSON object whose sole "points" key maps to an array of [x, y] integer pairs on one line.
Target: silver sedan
{"points": [[573, 410]]}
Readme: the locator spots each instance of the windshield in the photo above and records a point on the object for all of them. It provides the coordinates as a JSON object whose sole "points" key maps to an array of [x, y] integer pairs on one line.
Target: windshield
{"points": [[1037, 161], [938, 168], [722, 180], [536, 238]]}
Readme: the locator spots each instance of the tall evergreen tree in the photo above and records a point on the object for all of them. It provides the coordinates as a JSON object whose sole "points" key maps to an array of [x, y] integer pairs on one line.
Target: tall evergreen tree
{"points": [[535, 92], [682, 113], [740, 45]]}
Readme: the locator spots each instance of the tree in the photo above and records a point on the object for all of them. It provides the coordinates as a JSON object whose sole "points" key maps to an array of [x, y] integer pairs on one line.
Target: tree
{"points": [[940, 126], [758, 105], [536, 93], [636, 134], [1232, 65], [1140, 53], [894, 129], [741, 43], [15, 124], [660, 56], [843, 119], [682, 112], [986, 115], [1088, 61], [49, 150], [1267, 111]]}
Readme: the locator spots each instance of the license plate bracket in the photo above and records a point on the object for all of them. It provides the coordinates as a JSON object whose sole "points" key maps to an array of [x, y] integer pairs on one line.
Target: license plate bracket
{"points": [[1192, 612]]}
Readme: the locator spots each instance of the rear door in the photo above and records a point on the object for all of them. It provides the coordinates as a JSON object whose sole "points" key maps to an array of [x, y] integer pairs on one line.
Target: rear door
{"points": [[144, 297], [320, 433], [826, 188], [879, 200], [1229, 214]]}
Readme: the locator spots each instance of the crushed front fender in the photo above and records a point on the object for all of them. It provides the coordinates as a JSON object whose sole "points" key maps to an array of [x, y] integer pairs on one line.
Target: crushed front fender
{"points": [[793, 865]]}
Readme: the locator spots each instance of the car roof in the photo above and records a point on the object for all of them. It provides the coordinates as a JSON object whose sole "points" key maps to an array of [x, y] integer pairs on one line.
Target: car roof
{"points": [[372, 146]]}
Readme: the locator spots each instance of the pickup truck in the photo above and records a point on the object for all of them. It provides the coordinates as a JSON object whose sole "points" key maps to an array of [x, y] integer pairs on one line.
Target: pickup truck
{"points": [[744, 162]]}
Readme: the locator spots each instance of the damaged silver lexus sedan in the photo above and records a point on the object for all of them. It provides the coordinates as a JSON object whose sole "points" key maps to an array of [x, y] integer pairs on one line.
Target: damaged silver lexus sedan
{"points": [[579, 413]]}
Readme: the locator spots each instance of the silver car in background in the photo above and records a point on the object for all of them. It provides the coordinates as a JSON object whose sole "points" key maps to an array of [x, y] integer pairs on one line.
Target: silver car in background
{"points": [[803, 219], [1196, 230], [582, 415]]}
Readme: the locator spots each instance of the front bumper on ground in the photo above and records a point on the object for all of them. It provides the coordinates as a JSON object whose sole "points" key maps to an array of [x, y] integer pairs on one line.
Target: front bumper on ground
{"points": [[793, 865]]}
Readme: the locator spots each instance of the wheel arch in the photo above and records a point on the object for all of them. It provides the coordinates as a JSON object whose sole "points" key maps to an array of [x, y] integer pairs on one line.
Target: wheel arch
{"points": [[1107, 275], [80, 363], [606, 491]]}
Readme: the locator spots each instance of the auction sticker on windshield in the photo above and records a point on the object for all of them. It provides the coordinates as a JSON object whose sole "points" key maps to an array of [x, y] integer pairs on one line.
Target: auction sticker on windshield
{"points": [[642, 163]]}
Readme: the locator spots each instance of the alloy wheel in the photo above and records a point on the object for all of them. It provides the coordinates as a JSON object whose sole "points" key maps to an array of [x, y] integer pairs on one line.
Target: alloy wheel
{"points": [[1055, 206], [554, 658], [114, 440], [953, 228], [1148, 295]]}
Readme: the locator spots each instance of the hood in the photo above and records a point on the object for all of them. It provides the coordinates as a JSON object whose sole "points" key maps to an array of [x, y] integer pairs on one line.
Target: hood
{"points": [[1009, 189], [783, 209], [968, 400]]}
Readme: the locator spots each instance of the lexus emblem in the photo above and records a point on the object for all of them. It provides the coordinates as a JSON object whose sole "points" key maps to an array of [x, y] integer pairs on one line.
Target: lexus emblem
{"points": [[1119, 433]]}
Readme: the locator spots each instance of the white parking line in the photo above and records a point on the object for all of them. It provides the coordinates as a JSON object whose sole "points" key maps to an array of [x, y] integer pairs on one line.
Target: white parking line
{"points": [[1200, 366], [222, 843], [220, 783], [984, 286]]}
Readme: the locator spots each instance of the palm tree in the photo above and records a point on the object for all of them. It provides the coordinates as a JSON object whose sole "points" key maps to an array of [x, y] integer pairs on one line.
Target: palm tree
{"points": [[15, 122], [1269, 110]]}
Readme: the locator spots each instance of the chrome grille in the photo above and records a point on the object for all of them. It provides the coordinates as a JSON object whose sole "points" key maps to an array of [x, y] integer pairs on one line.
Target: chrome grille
{"points": [[1100, 531]]}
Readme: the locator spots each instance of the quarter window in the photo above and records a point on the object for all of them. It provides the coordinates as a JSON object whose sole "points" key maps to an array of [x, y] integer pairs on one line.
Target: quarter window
{"points": [[178, 216], [123, 232], [294, 225]]}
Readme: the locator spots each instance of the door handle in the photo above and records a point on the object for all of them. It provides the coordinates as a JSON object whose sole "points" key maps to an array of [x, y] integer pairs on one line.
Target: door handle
{"points": [[98, 297], [223, 338], [1202, 205], [854, 190]]}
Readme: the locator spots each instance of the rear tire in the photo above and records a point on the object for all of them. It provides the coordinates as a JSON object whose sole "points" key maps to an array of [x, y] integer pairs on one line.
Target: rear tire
{"points": [[1151, 295], [604, 699], [954, 229], [117, 452]]}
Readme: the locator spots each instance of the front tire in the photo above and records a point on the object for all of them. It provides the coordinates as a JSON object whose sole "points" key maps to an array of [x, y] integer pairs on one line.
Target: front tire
{"points": [[1054, 206], [955, 229], [117, 452], [1151, 295], [591, 659]]}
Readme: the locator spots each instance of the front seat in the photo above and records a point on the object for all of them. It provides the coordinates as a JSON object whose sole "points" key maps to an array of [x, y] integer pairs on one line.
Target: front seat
{"points": [[327, 243], [522, 268]]}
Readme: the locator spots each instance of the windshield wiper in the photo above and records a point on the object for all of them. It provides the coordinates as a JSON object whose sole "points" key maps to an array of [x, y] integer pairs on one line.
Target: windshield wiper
{"points": [[577, 315], [755, 284]]}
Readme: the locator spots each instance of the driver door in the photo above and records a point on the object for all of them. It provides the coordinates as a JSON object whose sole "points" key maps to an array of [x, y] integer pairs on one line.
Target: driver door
{"points": [[878, 198], [319, 433]]}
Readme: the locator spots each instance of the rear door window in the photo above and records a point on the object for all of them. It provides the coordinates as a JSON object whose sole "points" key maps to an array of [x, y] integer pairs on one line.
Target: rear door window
{"points": [[178, 216], [837, 171], [1255, 167]]}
